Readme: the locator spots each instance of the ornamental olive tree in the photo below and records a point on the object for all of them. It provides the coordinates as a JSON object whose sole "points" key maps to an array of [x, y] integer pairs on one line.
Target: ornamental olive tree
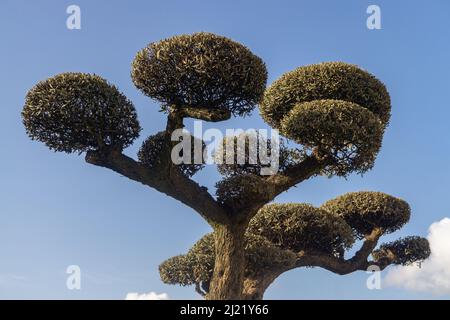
{"points": [[336, 114]]}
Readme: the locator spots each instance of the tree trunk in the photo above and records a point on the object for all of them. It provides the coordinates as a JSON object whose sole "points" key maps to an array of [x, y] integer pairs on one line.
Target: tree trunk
{"points": [[254, 289], [229, 267]]}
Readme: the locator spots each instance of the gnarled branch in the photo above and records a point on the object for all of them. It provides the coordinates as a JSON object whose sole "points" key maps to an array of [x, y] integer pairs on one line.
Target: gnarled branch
{"points": [[170, 182], [341, 266], [281, 182]]}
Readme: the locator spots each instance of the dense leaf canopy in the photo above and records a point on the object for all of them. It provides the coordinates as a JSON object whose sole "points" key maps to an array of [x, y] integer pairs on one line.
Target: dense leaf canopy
{"points": [[335, 109], [152, 150], [197, 265], [234, 191], [365, 211], [342, 131], [329, 80], [249, 152], [404, 251], [298, 226], [202, 70], [77, 112]]}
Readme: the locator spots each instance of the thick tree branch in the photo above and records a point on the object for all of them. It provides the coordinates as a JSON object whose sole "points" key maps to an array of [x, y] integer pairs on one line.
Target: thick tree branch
{"points": [[254, 288], [368, 246], [341, 266], [165, 177], [211, 115], [169, 182], [281, 182], [310, 166]]}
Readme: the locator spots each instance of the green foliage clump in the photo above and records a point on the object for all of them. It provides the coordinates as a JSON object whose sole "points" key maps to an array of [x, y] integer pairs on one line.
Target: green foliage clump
{"points": [[194, 267], [329, 80], [342, 131], [364, 211], [298, 226], [153, 147], [198, 264], [404, 251], [247, 160], [334, 109], [235, 191], [262, 255], [78, 112], [201, 70], [177, 270]]}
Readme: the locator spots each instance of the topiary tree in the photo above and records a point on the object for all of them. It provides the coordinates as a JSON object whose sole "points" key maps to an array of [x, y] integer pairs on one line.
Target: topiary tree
{"points": [[335, 112]]}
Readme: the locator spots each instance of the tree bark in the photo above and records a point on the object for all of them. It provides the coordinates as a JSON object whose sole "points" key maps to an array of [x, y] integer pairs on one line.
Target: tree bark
{"points": [[254, 289], [229, 267]]}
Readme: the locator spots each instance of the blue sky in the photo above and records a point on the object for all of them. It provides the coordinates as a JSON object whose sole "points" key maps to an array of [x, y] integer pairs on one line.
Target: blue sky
{"points": [[56, 210]]}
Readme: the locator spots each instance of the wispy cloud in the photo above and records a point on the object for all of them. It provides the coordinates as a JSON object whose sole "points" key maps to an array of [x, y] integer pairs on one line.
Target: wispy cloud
{"points": [[434, 274], [147, 296]]}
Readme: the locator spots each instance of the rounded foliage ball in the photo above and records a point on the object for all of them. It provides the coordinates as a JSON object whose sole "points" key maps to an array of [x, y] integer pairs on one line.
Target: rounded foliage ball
{"points": [[177, 270], [404, 251], [367, 210], [261, 255], [194, 267], [153, 147], [345, 132], [329, 80], [300, 226], [234, 191], [251, 152], [201, 70], [77, 112]]}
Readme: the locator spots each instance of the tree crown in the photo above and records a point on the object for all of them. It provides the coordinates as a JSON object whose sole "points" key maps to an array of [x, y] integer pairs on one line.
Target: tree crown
{"points": [[335, 109], [366, 210], [350, 136], [250, 147], [328, 80], [299, 226], [78, 112], [404, 251], [202, 70], [153, 149], [337, 112]]}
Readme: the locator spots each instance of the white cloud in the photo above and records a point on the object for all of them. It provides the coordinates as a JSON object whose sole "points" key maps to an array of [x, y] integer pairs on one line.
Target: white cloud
{"points": [[434, 274], [147, 296]]}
